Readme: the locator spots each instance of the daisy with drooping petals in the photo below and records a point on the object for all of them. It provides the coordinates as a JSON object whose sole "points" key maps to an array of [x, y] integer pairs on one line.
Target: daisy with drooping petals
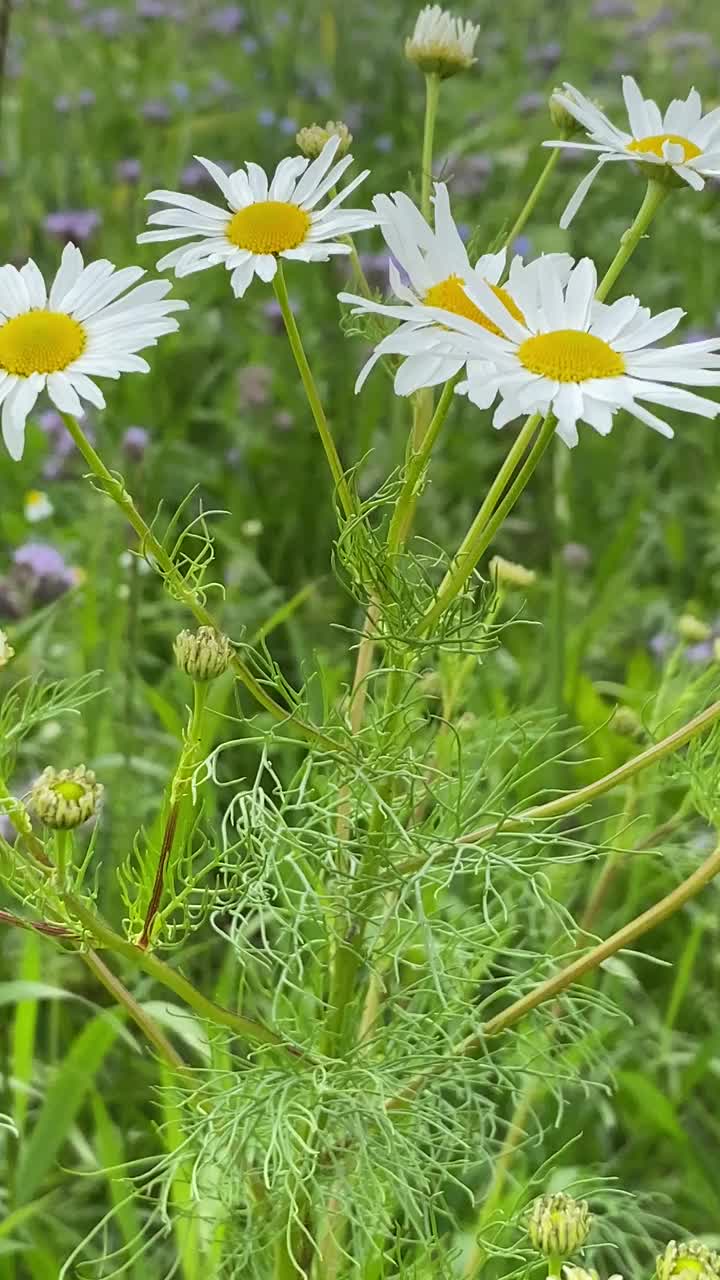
{"points": [[441, 43], [263, 221], [580, 359], [436, 264], [682, 140], [80, 330]]}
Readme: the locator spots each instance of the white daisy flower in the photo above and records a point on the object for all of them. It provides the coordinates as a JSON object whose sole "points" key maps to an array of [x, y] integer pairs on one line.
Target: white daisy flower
{"points": [[682, 140], [264, 220], [579, 358], [37, 506], [80, 330], [441, 43], [437, 267]]}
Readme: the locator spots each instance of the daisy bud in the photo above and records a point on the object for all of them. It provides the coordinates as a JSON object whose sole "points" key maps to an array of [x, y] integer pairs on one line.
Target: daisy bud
{"points": [[509, 574], [203, 654], [312, 139], [693, 629], [559, 1225], [690, 1261], [441, 44], [6, 650], [626, 722], [565, 123], [65, 799]]}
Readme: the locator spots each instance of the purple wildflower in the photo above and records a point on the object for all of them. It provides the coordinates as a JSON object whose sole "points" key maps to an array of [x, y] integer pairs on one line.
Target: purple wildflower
{"points": [[155, 111], [529, 103], [72, 224], [226, 20], [128, 170], [134, 442]]}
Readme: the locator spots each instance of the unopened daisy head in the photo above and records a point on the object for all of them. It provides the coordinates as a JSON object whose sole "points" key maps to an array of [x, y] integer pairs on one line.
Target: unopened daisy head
{"points": [[313, 138], [679, 146], [577, 358], [265, 219], [441, 43], [435, 264], [81, 328]]}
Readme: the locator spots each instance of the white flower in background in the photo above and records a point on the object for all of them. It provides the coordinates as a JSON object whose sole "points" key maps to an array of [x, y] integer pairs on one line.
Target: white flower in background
{"points": [[37, 506], [579, 358], [441, 42], [682, 140], [579, 1273], [264, 219], [6, 650], [437, 267], [80, 330]]}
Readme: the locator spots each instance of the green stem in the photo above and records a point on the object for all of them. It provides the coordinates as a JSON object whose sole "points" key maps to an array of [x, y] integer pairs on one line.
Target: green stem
{"points": [[561, 529], [311, 391], [432, 96], [179, 805], [585, 795], [490, 517], [405, 506], [358, 273], [122, 996], [572, 972], [255, 1032], [113, 486], [533, 198], [64, 843], [654, 196]]}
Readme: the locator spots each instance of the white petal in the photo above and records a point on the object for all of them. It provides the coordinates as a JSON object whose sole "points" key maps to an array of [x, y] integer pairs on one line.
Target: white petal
{"points": [[71, 266], [17, 405], [579, 194], [637, 111], [257, 178], [579, 294], [219, 177], [34, 283], [63, 394], [266, 266], [86, 388], [242, 277], [317, 170]]}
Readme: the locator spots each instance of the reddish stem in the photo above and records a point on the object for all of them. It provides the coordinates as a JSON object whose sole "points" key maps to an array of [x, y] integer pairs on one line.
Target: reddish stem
{"points": [[40, 926], [167, 844]]}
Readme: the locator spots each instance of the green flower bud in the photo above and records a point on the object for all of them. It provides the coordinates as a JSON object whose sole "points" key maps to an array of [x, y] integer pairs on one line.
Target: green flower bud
{"points": [[693, 629], [563, 119], [690, 1261], [312, 139], [66, 799], [203, 654], [510, 574], [559, 1225], [626, 722]]}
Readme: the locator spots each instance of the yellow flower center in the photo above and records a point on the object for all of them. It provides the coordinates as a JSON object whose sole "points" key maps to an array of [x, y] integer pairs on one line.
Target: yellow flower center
{"points": [[40, 342], [654, 145], [568, 355], [449, 295], [268, 227], [68, 790]]}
